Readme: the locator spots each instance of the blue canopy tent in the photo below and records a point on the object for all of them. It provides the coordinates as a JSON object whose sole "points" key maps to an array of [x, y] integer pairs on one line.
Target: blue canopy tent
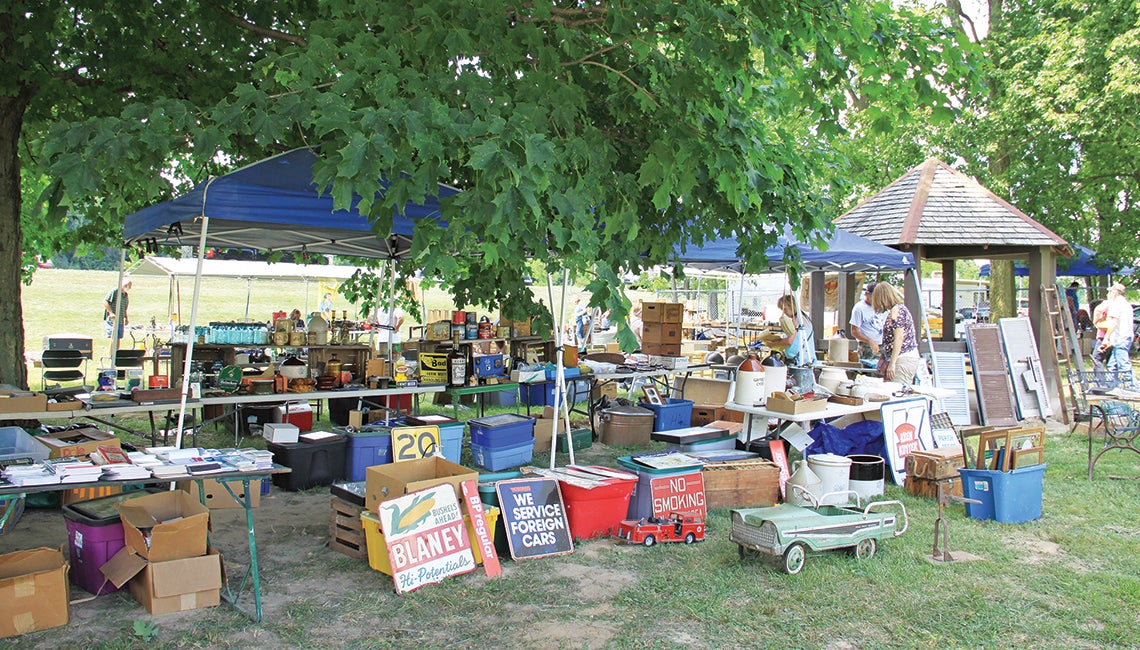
{"points": [[272, 204], [844, 252], [1082, 265]]}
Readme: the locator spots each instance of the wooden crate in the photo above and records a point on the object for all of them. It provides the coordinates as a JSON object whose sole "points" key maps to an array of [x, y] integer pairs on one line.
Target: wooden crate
{"points": [[346, 533], [935, 463], [741, 483], [928, 487]]}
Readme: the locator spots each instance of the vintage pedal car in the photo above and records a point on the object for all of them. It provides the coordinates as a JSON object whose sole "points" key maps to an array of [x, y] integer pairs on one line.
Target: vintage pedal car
{"points": [[787, 533], [677, 527]]}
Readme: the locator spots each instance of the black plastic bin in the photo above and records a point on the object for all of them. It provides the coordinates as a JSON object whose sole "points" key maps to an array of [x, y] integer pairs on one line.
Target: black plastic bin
{"points": [[313, 463]]}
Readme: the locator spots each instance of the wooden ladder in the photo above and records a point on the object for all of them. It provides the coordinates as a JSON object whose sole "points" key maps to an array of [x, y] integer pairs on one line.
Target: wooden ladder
{"points": [[1062, 337]]}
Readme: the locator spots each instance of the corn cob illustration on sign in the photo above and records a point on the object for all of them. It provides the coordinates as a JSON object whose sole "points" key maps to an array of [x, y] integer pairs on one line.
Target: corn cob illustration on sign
{"points": [[426, 537]]}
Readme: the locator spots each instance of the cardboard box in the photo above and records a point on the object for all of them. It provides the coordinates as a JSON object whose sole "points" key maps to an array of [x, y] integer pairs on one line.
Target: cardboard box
{"points": [[22, 402], [218, 498], [526, 376], [705, 413], [608, 389], [383, 482], [662, 349], [33, 590], [702, 390], [78, 442], [357, 418], [182, 535], [781, 404], [171, 586], [662, 312], [670, 363], [543, 429], [518, 327], [662, 333], [280, 432], [376, 368], [935, 463]]}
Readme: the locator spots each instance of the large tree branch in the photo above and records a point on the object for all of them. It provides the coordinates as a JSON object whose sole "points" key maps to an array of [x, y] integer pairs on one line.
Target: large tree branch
{"points": [[622, 75], [256, 29]]}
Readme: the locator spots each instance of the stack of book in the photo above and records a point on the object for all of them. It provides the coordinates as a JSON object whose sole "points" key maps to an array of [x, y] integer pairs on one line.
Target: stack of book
{"points": [[125, 472], [72, 469], [28, 475], [166, 471]]}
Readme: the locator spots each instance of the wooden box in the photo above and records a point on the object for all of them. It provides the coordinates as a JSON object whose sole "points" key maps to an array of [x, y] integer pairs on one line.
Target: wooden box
{"points": [[780, 404], [741, 483], [662, 312], [706, 413], [928, 487], [346, 533], [935, 463]]}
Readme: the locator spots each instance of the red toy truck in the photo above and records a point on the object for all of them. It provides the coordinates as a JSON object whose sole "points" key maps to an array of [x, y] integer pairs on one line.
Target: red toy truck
{"points": [[677, 527]]}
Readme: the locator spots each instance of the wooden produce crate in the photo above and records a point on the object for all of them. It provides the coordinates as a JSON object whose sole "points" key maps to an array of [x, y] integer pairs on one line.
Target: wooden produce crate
{"points": [[741, 483], [935, 463], [346, 533], [928, 487]]}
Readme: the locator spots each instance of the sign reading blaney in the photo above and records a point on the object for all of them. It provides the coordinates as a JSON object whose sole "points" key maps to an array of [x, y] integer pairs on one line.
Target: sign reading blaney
{"points": [[426, 537], [535, 517]]}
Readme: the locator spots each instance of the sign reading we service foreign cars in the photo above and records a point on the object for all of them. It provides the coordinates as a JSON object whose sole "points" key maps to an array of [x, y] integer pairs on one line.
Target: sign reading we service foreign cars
{"points": [[426, 537], [535, 517]]}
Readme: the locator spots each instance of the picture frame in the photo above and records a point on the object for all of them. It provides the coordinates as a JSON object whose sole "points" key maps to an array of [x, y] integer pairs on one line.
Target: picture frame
{"points": [[652, 396]]}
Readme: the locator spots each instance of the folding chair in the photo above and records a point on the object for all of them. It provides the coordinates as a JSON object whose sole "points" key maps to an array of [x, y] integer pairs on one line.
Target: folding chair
{"points": [[61, 365], [127, 363]]}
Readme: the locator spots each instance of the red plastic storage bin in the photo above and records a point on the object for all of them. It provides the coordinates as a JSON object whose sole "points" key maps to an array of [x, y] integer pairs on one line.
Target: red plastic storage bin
{"points": [[596, 512]]}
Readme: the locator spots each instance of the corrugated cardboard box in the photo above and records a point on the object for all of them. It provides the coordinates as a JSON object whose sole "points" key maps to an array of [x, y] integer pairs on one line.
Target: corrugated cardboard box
{"points": [[706, 413], [33, 591], [22, 402], [383, 482], [171, 586], [165, 526], [78, 442], [218, 498]]}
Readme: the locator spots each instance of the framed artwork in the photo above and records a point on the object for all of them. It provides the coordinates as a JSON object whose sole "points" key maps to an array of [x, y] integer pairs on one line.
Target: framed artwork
{"points": [[652, 396], [906, 426]]}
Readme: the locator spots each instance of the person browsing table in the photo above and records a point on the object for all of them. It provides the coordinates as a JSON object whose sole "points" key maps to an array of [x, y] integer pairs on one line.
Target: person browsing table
{"points": [[799, 340], [867, 325], [899, 358], [1118, 335]]}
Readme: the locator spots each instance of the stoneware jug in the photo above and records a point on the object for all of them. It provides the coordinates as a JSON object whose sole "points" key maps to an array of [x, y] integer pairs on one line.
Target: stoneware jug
{"points": [[804, 478]]}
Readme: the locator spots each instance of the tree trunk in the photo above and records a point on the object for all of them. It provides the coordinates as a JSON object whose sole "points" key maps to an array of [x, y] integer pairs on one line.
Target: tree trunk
{"points": [[1003, 303], [13, 369]]}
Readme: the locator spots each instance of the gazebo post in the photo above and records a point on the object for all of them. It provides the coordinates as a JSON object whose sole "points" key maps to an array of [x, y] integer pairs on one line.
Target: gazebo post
{"points": [[817, 292], [949, 300], [911, 297], [1043, 273]]}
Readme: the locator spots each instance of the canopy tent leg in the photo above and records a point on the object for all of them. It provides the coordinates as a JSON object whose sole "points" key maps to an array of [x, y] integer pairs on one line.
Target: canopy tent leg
{"points": [[192, 338]]}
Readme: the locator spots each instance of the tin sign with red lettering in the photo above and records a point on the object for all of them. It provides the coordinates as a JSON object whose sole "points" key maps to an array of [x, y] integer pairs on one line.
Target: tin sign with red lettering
{"points": [[679, 493], [426, 537], [906, 427]]}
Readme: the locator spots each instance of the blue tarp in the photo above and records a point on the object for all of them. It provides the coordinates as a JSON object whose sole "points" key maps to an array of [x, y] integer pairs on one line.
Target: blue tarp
{"points": [[845, 252], [274, 205], [1081, 265]]}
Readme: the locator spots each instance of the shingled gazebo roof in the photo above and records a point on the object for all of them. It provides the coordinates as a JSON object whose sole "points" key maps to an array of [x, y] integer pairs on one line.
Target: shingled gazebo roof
{"points": [[933, 206]]}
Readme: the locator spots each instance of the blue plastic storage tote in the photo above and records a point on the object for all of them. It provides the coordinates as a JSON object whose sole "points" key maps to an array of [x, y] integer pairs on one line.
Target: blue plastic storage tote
{"points": [[496, 459], [1011, 497], [673, 414], [499, 431], [364, 449]]}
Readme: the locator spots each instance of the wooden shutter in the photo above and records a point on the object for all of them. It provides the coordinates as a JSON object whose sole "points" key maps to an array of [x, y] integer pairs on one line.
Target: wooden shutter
{"points": [[991, 378], [1024, 365], [950, 372]]}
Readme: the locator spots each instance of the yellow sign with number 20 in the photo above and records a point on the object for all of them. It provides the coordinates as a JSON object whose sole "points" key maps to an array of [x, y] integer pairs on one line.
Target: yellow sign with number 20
{"points": [[410, 443]]}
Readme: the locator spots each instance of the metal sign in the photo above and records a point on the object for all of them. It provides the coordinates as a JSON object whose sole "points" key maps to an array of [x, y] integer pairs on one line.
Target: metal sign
{"points": [[684, 493], [534, 517], [484, 537], [411, 443], [426, 537], [906, 425]]}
